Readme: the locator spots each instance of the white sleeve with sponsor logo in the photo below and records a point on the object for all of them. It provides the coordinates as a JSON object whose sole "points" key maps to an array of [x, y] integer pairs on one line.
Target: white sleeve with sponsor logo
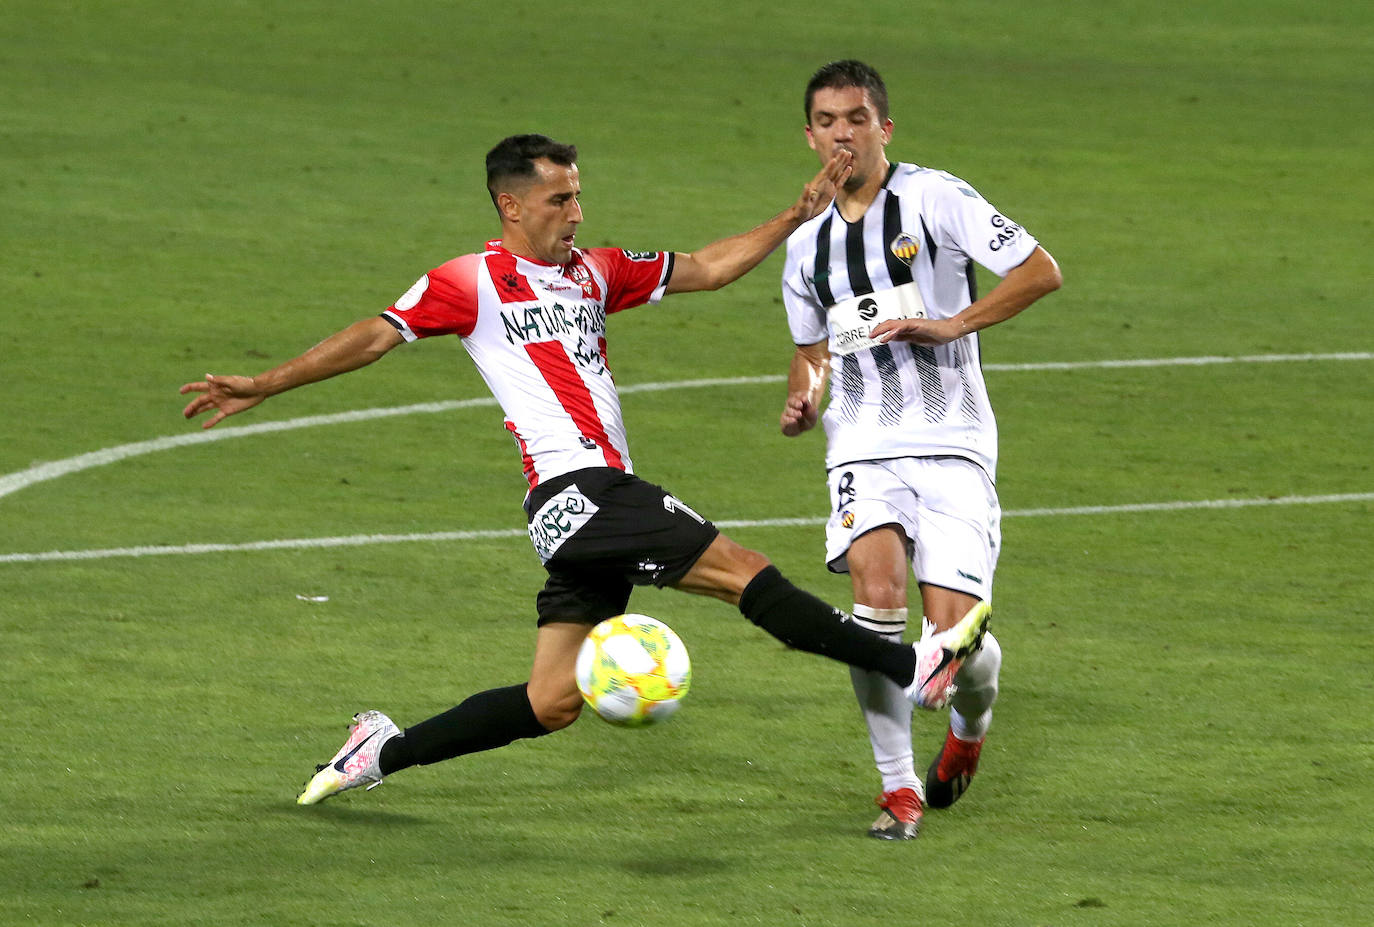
{"points": [[974, 226]]}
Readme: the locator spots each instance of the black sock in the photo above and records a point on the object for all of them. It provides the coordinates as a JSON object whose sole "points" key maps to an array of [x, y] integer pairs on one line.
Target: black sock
{"points": [[800, 620], [483, 721]]}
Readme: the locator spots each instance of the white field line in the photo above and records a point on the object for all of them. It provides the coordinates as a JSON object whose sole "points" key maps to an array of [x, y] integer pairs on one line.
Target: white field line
{"points": [[39, 473], [365, 540]]}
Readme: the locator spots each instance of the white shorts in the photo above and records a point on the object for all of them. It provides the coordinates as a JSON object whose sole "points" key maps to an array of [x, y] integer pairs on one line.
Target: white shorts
{"points": [[946, 506]]}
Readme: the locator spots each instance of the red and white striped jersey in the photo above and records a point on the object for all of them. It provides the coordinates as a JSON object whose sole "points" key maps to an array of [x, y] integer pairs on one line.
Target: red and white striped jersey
{"points": [[537, 333]]}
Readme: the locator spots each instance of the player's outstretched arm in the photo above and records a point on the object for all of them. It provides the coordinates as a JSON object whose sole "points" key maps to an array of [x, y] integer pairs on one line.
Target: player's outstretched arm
{"points": [[1023, 285], [805, 386], [356, 346], [725, 261]]}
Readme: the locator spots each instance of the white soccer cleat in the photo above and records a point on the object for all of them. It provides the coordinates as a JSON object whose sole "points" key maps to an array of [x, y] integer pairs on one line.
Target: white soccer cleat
{"points": [[939, 656], [356, 762]]}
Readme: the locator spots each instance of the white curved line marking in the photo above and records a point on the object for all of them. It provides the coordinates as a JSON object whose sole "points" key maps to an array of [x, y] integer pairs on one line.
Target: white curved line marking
{"points": [[13, 482], [364, 540]]}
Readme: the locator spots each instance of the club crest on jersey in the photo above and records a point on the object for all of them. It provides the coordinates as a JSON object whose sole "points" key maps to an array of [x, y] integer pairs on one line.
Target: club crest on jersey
{"points": [[905, 246], [579, 274]]}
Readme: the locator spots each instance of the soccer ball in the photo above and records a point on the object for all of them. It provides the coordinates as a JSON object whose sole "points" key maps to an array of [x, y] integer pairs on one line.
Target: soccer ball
{"points": [[633, 670]]}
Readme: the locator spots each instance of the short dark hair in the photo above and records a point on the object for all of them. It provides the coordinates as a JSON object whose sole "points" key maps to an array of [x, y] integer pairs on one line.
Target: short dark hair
{"points": [[848, 73], [514, 157]]}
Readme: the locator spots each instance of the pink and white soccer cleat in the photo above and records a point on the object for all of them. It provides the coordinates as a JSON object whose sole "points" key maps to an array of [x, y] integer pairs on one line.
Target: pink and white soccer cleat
{"points": [[356, 762], [939, 656]]}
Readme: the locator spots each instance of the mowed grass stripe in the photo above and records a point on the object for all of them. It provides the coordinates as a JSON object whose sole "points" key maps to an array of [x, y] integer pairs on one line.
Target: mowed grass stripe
{"points": [[40, 473]]}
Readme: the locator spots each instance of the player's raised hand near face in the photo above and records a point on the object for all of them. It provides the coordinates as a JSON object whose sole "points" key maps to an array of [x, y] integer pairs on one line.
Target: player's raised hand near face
{"points": [[817, 194], [227, 395]]}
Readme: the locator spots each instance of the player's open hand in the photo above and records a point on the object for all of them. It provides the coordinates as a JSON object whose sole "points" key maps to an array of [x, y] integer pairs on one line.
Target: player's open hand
{"points": [[227, 395], [816, 195], [917, 331]]}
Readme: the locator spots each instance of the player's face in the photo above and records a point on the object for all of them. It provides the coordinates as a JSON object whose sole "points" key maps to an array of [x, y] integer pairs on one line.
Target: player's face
{"points": [[844, 117], [548, 214]]}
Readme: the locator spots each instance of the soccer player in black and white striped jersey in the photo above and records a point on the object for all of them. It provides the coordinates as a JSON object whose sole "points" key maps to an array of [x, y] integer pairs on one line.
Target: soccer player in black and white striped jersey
{"points": [[880, 297]]}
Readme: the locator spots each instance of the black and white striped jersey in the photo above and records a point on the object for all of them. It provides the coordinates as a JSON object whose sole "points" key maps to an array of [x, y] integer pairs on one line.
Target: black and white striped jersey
{"points": [[924, 230]]}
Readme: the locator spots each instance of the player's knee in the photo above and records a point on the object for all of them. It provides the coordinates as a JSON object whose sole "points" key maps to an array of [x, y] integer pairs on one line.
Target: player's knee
{"points": [[557, 713], [883, 591], [724, 570], [945, 608], [751, 563]]}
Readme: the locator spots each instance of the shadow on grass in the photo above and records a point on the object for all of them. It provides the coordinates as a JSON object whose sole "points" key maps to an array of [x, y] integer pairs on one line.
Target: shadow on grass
{"points": [[676, 866], [339, 813]]}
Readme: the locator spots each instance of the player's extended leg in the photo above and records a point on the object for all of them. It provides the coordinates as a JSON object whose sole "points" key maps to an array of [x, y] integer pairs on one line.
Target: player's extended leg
{"points": [[548, 702], [484, 721], [745, 578], [877, 563]]}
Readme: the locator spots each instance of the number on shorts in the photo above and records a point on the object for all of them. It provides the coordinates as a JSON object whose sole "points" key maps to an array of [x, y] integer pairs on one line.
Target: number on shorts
{"points": [[674, 504], [844, 492]]}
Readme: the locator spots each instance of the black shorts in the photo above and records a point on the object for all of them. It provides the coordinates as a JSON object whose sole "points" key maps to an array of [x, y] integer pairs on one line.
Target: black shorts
{"points": [[601, 531]]}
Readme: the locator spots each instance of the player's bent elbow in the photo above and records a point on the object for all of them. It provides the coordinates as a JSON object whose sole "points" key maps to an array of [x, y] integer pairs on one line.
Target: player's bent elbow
{"points": [[1051, 277], [1054, 279]]}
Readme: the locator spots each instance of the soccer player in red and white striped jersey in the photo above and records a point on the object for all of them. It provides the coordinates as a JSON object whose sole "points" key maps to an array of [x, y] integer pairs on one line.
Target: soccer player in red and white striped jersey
{"points": [[531, 311]]}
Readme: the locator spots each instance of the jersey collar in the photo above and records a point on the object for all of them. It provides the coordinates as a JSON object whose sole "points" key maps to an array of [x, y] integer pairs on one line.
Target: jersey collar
{"points": [[496, 244]]}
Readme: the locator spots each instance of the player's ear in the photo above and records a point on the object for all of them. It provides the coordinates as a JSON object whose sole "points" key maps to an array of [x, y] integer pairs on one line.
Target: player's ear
{"points": [[810, 139], [508, 205]]}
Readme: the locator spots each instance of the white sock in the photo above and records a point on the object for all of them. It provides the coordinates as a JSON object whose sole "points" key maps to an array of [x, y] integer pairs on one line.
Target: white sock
{"points": [[886, 709], [970, 711]]}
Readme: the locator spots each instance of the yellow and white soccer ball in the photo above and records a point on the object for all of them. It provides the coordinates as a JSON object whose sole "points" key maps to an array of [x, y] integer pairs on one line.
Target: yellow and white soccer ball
{"points": [[633, 670]]}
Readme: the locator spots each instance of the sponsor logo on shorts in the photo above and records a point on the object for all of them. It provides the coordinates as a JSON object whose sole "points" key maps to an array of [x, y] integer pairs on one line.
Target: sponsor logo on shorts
{"points": [[847, 519], [674, 504], [559, 519], [970, 577]]}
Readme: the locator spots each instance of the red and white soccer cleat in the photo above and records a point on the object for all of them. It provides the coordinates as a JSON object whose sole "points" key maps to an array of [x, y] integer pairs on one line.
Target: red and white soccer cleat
{"points": [[900, 818]]}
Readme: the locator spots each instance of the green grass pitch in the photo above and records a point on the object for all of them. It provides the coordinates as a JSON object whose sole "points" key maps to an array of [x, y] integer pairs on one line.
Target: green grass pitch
{"points": [[1183, 735]]}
